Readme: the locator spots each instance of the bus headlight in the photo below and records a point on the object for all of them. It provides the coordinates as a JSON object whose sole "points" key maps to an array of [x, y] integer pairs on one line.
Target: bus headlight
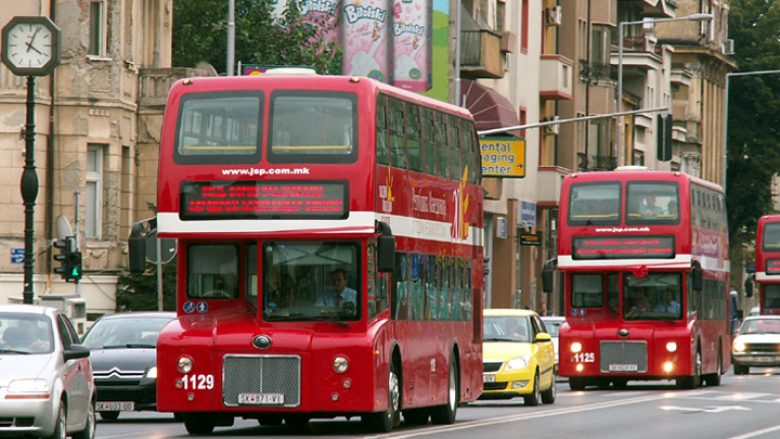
{"points": [[739, 346], [184, 364], [576, 347], [340, 364], [671, 346], [668, 367]]}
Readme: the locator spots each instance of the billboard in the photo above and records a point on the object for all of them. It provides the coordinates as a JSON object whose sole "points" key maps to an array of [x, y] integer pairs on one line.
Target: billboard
{"points": [[503, 157]]}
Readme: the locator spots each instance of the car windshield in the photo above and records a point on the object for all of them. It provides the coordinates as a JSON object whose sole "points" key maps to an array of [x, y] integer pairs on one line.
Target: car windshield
{"points": [[552, 326], [506, 328], [135, 332], [760, 326], [25, 334]]}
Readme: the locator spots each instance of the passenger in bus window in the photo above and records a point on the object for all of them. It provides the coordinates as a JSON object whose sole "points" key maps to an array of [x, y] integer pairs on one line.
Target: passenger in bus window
{"points": [[339, 295], [668, 304], [649, 208], [639, 302], [283, 294]]}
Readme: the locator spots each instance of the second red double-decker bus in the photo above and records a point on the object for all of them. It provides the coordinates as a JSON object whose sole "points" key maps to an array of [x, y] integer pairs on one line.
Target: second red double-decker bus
{"points": [[644, 262], [330, 252], [768, 264]]}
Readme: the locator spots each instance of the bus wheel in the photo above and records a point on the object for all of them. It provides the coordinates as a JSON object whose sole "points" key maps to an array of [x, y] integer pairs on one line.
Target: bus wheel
{"points": [[714, 379], [416, 416], [384, 421], [200, 424], [692, 382], [740, 370], [445, 414], [576, 383]]}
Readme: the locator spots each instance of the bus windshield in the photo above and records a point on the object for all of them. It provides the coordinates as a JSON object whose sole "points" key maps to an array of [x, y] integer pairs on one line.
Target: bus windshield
{"points": [[655, 296], [771, 241], [594, 203], [311, 281], [652, 203]]}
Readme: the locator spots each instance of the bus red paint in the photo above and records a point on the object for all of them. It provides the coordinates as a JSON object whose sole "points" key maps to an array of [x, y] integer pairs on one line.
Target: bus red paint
{"points": [[768, 264]]}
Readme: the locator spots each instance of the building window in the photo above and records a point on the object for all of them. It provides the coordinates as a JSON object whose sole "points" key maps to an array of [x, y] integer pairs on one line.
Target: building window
{"points": [[97, 29], [94, 191], [524, 27], [523, 119]]}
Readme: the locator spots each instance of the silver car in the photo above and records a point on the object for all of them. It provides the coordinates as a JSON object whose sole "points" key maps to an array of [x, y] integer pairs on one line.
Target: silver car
{"points": [[46, 384]]}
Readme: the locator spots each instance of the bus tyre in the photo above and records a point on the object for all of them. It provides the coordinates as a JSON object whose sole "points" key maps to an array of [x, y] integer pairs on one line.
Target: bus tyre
{"points": [[535, 398], [713, 380], [548, 396], [384, 421], [741, 370], [576, 383], [692, 382], [200, 424], [445, 414], [416, 416]]}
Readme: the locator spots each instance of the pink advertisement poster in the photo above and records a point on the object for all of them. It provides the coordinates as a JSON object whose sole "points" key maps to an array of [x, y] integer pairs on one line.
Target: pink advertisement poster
{"points": [[412, 27], [366, 38]]}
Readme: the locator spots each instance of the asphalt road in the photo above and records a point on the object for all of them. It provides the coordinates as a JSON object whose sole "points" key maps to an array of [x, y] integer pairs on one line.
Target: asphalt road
{"points": [[742, 407]]}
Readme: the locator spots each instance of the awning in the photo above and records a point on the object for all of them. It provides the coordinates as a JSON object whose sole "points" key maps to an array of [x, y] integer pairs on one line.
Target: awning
{"points": [[490, 108]]}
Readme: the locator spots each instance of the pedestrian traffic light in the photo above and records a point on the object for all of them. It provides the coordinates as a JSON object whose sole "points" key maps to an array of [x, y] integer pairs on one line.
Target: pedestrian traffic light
{"points": [[69, 258]]}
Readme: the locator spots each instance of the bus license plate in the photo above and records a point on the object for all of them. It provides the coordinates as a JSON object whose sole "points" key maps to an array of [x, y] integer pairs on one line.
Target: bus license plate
{"points": [[623, 367], [488, 378], [261, 398], [115, 406]]}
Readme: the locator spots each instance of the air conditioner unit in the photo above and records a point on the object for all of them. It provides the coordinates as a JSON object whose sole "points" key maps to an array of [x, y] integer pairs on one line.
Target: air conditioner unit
{"points": [[728, 47], [554, 16], [552, 128]]}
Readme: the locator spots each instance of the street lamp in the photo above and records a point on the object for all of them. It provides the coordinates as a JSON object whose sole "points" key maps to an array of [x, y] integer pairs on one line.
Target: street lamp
{"points": [[726, 112], [619, 99]]}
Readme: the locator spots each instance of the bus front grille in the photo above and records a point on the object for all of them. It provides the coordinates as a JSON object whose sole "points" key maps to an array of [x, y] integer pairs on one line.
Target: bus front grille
{"points": [[623, 356], [261, 380]]}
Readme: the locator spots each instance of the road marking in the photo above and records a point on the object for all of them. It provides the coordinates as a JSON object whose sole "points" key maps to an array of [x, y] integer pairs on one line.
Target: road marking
{"points": [[714, 409], [757, 433], [513, 418]]}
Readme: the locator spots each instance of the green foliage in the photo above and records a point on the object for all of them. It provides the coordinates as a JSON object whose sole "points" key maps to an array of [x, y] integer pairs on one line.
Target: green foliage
{"points": [[138, 292], [754, 103], [200, 34]]}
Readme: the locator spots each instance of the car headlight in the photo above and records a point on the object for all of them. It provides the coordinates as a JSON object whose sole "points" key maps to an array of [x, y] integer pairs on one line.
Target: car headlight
{"points": [[739, 346], [28, 388], [517, 363], [152, 372]]}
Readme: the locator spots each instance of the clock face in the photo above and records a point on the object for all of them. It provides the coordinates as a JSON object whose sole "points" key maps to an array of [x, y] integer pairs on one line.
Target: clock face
{"points": [[29, 45]]}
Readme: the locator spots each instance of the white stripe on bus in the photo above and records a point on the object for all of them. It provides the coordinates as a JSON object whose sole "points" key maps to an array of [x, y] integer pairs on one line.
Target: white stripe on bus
{"points": [[679, 261]]}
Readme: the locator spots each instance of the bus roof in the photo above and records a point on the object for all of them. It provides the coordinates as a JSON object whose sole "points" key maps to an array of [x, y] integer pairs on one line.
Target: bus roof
{"points": [[641, 173]]}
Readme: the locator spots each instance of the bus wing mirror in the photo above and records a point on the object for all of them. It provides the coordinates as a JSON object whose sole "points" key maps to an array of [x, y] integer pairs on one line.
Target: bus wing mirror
{"points": [[749, 286], [697, 275], [137, 244], [385, 248]]}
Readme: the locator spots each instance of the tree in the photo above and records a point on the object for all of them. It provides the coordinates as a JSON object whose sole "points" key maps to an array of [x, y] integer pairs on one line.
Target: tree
{"points": [[138, 292], [200, 34], [754, 103]]}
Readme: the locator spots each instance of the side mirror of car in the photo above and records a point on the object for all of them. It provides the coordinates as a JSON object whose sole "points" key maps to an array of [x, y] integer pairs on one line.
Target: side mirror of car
{"points": [[75, 351], [542, 337]]}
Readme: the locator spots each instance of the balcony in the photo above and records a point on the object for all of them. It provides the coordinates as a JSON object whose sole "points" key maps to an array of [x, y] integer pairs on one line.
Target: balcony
{"points": [[480, 54], [587, 162], [555, 77], [155, 83], [549, 184]]}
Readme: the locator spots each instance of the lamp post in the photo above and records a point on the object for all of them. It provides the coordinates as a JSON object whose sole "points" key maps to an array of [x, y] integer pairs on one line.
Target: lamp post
{"points": [[726, 112], [619, 98]]}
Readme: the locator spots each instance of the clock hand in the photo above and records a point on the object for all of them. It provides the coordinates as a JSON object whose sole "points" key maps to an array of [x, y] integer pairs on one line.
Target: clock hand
{"points": [[29, 45]]}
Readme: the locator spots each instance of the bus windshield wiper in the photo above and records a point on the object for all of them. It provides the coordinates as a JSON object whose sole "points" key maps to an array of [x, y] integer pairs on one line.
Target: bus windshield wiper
{"points": [[305, 318]]}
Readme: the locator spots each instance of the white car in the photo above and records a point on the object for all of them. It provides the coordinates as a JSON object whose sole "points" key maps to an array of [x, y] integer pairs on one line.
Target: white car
{"points": [[553, 324], [757, 344], [46, 384]]}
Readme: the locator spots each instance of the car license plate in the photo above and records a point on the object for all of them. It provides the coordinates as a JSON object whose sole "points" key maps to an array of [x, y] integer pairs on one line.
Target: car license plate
{"points": [[115, 406], [488, 378], [261, 398]]}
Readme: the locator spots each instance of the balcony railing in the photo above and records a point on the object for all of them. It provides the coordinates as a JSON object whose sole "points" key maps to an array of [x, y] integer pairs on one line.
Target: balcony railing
{"points": [[597, 71], [586, 162], [480, 54], [155, 83]]}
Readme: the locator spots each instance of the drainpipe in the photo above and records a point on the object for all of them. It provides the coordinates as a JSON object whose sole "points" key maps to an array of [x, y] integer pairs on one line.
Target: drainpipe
{"points": [[49, 188]]}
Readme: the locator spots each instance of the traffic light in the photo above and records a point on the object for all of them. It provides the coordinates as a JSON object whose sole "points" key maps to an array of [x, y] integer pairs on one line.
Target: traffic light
{"points": [[664, 137], [69, 258]]}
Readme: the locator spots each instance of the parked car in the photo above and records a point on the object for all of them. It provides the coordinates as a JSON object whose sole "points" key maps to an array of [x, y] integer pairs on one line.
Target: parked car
{"points": [[518, 357], [757, 344], [124, 359], [46, 384], [553, 325]]}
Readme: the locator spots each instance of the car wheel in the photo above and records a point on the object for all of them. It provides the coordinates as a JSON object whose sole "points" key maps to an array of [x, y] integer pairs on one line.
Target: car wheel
{"points": [[89, 429], [535, 398], [109, 416], [445, 414], [60, 424], [548, 396]]}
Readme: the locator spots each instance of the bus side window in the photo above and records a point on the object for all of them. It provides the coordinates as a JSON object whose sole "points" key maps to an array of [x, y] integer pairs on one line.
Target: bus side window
{"points": [[412, 130], [382, 149], [430, 157], [397, 141], [400, 300]]}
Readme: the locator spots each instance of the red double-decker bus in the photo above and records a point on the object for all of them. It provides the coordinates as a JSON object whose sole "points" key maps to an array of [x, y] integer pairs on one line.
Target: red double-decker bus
{"points": [[330, 258], [768, 264], [644, 263]]}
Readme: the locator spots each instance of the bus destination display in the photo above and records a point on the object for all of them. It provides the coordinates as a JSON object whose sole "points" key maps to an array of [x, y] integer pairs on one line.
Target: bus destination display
{"points": [[773, 266], [263, 200], [623, 247]]}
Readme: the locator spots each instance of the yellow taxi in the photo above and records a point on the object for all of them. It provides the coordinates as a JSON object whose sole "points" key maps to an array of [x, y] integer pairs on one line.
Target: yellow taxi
{"points": [[518, 357]]}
